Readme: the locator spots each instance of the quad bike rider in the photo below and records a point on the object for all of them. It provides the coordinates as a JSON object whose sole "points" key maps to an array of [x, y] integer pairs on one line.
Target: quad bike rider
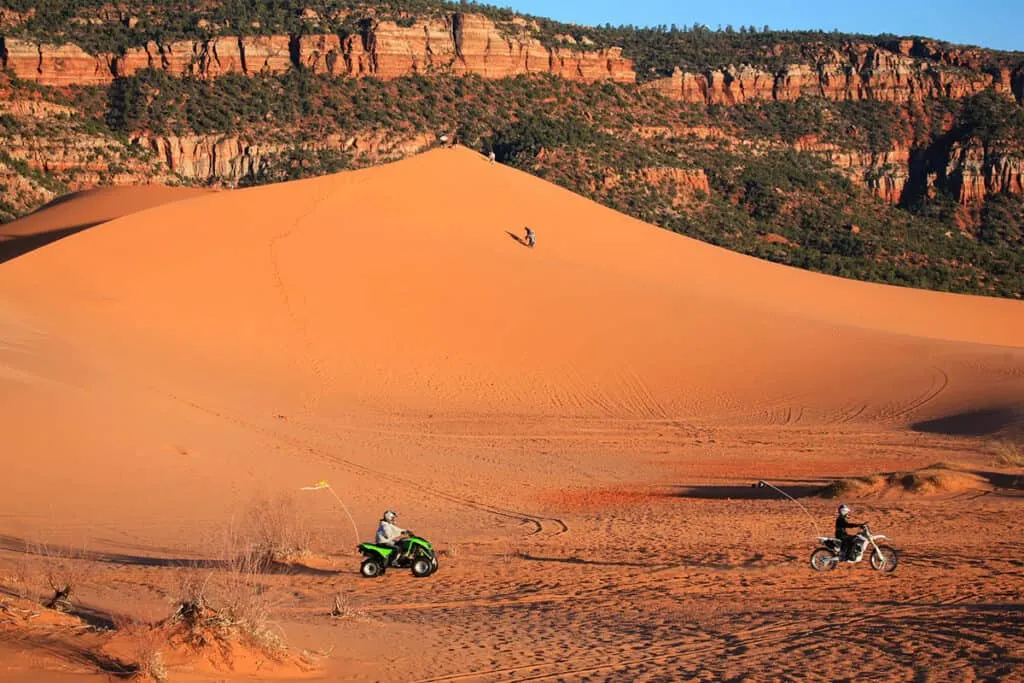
{"points": [[395, 547], [391, 535]]}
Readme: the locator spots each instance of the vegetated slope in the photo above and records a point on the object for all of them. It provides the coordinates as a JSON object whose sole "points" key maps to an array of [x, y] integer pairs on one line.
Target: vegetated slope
{"points": [[878, 158]]}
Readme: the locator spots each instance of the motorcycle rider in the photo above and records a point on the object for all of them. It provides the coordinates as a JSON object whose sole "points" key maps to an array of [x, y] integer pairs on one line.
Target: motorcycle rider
{"points": [[391, 535], [842, 524]]}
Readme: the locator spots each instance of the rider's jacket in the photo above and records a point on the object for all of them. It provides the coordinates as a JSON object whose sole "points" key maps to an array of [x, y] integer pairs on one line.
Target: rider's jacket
{"points": [[842, 524], [388, 533]]}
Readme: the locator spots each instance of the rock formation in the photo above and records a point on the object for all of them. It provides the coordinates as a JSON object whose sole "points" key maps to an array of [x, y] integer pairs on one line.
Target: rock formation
{"points": [[858, 72], [458, 43]]}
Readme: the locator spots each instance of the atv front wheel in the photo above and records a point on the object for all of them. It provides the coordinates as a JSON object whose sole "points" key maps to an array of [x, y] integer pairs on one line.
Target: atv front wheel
{"points": [[422, 567], [371, 568], [823, 559]]}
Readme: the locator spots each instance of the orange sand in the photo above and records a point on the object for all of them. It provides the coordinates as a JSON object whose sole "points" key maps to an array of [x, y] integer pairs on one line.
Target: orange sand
{"points": [[383, 329]]}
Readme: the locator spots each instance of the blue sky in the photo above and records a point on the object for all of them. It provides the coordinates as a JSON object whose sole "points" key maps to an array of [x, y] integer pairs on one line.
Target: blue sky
{"points": [[996, 24]]}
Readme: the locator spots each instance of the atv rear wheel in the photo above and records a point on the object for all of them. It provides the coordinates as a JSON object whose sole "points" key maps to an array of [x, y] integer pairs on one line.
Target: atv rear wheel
{"points": [[372, 568], [824, 559], [422, 567]]}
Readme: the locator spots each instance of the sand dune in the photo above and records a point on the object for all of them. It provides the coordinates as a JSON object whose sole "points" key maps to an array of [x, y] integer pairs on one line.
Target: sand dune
{"points": [[398, 293], [92, 207], [400, 289], [386, 329]]}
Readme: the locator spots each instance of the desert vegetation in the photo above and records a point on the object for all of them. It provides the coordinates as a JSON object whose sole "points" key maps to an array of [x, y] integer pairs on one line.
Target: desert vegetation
{"points": [[220, 611]]}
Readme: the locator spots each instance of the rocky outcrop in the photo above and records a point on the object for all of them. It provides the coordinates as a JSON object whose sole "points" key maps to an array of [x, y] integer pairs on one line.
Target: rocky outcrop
{"points": [[203, 156], [966, 170], [973, 172], [20, 57], [457, 43], [885, 174], [266, 54], [57, 65], [322, 54], [684, 184], [229, 159], [857, 72]]}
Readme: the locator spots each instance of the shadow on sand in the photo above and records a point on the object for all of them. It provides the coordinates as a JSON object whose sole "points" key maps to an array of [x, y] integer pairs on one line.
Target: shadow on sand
{"points": [[982, 422], [19, 246], [581, 561], [517, 238], [803, 488], [18, 545]]}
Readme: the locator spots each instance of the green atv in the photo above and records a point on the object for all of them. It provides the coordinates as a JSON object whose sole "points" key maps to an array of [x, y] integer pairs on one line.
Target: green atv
{"points": [[418, 555]]}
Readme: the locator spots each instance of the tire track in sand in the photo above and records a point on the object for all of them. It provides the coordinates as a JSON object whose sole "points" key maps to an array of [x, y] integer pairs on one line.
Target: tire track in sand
{"points": [[551, 526]]}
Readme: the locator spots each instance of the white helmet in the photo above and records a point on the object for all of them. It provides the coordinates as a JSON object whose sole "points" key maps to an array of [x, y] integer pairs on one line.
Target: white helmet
{"points": [[844, 510], [390, 516]]}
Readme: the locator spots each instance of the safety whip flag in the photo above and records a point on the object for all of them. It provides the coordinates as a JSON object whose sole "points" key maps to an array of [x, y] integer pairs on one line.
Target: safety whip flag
{"points": [[324, 485]]}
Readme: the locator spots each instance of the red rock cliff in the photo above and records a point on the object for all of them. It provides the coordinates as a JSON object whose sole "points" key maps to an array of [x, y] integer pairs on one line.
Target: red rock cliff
{"points": [[859, 71], [458, 43]]}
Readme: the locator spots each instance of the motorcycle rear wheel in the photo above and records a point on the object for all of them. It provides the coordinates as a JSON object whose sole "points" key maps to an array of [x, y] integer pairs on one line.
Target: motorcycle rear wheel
{"points": [[823, 559], [885, 559]]}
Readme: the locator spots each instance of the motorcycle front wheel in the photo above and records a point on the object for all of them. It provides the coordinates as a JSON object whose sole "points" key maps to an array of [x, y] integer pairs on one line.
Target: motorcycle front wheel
{"points": [[823, 559], [884, 559]]}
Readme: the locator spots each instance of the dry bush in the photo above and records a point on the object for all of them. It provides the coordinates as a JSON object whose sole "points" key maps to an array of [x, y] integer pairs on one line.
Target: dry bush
{"points": [[191, 601], [510, 551], [243, 601], [61, 571], [343, 607], [18, 579], [231, 603], [452, 551], [146, 643], [275, 528], [1009, 454]]}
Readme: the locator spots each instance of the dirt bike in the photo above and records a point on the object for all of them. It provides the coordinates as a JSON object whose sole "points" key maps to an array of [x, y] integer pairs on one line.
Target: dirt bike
{"points": [[418, 555], [883, 557]]}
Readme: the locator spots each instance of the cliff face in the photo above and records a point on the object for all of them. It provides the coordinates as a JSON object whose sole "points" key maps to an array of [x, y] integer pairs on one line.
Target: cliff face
{"points": [[885, 174], [973, 172], [857, 72], [967, 170], [229, 159], [458, 44]]}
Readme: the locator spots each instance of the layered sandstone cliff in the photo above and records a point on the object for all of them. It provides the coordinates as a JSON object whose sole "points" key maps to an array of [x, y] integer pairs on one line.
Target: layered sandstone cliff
{"points": [[967, 170], [973, 172], [458, 44], [857, 72], [229, 159]]}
